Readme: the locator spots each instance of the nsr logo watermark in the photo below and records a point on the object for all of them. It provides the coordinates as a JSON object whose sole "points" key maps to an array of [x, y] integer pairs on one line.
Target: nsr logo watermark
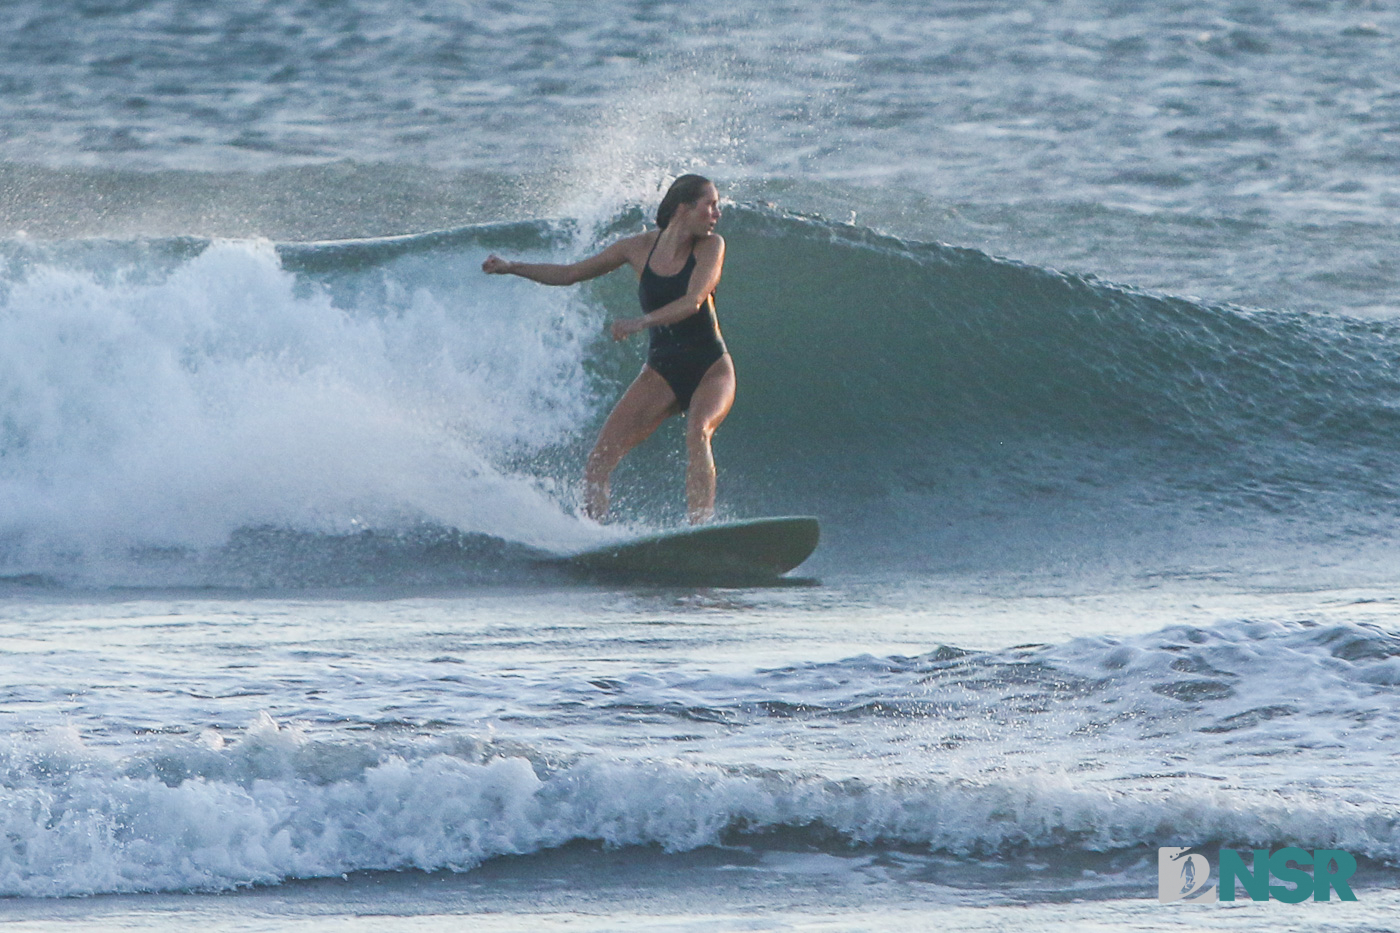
{"points": [[1183, 875]]}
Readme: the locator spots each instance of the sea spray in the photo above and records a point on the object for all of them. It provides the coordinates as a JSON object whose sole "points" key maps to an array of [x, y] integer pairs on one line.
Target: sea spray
{"points": [[175, 409]]}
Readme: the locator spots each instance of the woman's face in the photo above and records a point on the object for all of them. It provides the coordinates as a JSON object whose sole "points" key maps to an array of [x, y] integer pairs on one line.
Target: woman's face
{"points": [[702, 216]]}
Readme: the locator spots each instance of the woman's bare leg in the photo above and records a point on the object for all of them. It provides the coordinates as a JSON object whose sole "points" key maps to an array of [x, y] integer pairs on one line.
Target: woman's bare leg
{"points": [[708, 407], [647, 402]]}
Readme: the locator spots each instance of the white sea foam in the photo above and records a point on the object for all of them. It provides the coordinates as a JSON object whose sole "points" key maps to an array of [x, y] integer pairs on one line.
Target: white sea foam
{"points": [[925, 752], [143, 409], [78, 822]]}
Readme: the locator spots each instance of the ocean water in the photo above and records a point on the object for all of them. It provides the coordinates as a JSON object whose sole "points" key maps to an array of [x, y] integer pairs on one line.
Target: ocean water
{"points": [[1074, 322]]}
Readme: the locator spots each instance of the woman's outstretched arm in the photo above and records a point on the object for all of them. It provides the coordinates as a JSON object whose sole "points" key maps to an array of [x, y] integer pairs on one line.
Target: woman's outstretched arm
{"points": [[549, 273]]}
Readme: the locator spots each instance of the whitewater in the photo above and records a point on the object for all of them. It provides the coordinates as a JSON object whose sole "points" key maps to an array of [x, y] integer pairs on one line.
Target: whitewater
{"points": [[1074, 324]]}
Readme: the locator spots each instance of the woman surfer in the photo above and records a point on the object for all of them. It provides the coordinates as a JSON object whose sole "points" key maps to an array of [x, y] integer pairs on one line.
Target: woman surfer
{"points": [[688, 368]]}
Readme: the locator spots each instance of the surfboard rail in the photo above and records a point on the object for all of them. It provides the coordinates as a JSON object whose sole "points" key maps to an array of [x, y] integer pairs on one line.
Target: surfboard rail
{"points": [[741, 552]]}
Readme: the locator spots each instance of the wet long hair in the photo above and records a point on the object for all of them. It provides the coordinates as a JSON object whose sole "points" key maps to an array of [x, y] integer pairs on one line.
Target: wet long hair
{"points": [[684, 190]]}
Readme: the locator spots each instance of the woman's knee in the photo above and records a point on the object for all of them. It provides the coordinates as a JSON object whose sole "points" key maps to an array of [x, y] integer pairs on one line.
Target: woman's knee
{"points": [[700, 431], [605, 456], [596, 462]]}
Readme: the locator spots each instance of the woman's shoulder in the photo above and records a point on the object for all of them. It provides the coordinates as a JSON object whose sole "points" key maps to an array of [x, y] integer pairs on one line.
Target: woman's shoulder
{"points": [[638, 245], [710, 244], [631, 250]]}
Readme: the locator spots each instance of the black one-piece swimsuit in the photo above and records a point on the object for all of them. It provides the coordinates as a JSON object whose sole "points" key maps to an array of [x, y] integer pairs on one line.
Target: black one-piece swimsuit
{"points": [[684, 351]]}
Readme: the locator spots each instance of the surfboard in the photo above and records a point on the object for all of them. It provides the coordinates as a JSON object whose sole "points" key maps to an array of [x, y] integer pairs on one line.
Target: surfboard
{"points": [[743, 552]]}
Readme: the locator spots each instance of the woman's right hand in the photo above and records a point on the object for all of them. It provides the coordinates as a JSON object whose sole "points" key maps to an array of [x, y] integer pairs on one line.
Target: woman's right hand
{"points": [[495, 265], [623, 328]]}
